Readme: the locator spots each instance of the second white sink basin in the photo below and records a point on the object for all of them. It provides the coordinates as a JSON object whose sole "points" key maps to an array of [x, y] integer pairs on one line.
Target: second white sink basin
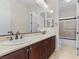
{"points": [[15, 42]]}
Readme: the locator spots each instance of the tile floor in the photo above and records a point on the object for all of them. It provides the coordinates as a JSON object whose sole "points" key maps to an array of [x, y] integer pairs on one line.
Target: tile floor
{"points": [[65, 52]]}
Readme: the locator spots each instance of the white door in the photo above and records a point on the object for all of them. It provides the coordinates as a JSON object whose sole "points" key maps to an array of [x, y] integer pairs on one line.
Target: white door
{"points": [[77, 36], [34, 22], [77, 30]]}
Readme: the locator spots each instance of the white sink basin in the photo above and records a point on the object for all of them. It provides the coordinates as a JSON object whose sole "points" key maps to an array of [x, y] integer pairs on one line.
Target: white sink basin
{"points": [[15, 42]]}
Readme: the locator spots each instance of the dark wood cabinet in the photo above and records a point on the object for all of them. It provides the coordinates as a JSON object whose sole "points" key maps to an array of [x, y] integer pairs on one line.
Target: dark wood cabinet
{"points": [[20, 54], [5, 57], [53, 40], [27, 53], [47, 47], [35, 51], [51, 45], [44, 49], [40, 50]]}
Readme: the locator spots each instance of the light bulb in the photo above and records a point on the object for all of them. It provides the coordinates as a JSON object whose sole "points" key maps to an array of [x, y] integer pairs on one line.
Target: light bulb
{"points": [[39, 0], [51, 11], [42, 1], [46, 6], [68, 0]]}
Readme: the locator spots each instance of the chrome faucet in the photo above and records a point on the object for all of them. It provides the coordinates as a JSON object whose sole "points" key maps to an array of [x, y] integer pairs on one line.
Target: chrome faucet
{"points": [[16, 35], [21, 36], [11, 33]]}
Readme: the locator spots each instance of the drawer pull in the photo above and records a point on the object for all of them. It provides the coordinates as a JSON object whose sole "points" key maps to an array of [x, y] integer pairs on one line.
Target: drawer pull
{"points": [[27, 50], [30, 48]]}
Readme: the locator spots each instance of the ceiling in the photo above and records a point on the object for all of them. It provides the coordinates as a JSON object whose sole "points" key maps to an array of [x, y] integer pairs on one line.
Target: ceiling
{"points": [[29, 3], [32, 3], [63, 4]]}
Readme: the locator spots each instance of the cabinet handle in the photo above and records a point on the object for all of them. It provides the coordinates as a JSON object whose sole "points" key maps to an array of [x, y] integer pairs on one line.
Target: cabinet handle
{"points": [[27, 50], [30, 48]]}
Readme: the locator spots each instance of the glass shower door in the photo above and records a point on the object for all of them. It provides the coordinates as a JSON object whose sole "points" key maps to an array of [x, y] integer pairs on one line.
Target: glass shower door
{"points": [[77, 35], [77, 30]]}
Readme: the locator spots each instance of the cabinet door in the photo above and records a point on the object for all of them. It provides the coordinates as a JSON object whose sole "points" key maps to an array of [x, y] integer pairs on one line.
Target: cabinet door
{"points": [[35, 51], [44, 53], [44, 49], [51, 45], [20, 54], [5, 57], [27, 53]]}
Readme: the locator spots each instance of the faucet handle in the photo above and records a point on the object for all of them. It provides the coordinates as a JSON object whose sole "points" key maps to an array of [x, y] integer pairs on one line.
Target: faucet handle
{"points": [[21, 36], [17, 33], [10, 32], [10, 38]]}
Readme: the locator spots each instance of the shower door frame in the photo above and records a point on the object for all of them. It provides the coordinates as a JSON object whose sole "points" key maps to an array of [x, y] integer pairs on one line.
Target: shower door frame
{"points": [[77, 28]]}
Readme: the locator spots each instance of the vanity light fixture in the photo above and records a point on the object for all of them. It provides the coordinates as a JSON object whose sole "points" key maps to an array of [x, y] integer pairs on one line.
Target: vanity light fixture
{"points": [[51, 11], [43, 3], [68, 0], [39, 0], [46, 6]]}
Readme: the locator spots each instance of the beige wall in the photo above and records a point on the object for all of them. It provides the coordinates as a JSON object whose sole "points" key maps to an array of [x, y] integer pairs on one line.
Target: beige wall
{"points": [[65, 13], [55, 7], [13, 16], [19, 14], [5, 16]]}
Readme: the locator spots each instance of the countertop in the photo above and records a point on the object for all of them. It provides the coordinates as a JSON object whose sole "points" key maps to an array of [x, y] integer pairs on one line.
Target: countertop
{"points": [[4, 50]]}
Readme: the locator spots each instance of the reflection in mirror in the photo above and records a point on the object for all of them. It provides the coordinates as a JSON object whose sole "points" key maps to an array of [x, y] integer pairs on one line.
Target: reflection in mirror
{"points": [[23, 16], [19, 16], [48, 18], [5, 17]]}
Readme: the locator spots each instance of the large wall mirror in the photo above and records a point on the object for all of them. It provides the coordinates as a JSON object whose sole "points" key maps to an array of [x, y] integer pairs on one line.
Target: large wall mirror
{"points": [[22, 16], [47, 17]]}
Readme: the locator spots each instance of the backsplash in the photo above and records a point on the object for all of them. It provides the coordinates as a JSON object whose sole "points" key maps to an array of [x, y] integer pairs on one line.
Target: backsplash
{"points": [[4, 38], [48, 31]]}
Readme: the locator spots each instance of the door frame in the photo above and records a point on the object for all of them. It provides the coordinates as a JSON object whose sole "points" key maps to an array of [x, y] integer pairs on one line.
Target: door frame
{"points": [[77, 28]]}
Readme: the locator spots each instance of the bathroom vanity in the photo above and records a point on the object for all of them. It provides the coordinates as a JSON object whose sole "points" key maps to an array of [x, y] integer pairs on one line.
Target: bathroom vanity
{"points": [[40, 49], [23, 18]]}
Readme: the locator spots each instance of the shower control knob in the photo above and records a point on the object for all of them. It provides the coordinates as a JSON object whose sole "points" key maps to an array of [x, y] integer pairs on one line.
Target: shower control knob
{"points": [[77, 32]]}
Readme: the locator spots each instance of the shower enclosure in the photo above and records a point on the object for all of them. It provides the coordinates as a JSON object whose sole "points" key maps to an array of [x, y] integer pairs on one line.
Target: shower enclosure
{"points": [[68, 28], [77, 29]]}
